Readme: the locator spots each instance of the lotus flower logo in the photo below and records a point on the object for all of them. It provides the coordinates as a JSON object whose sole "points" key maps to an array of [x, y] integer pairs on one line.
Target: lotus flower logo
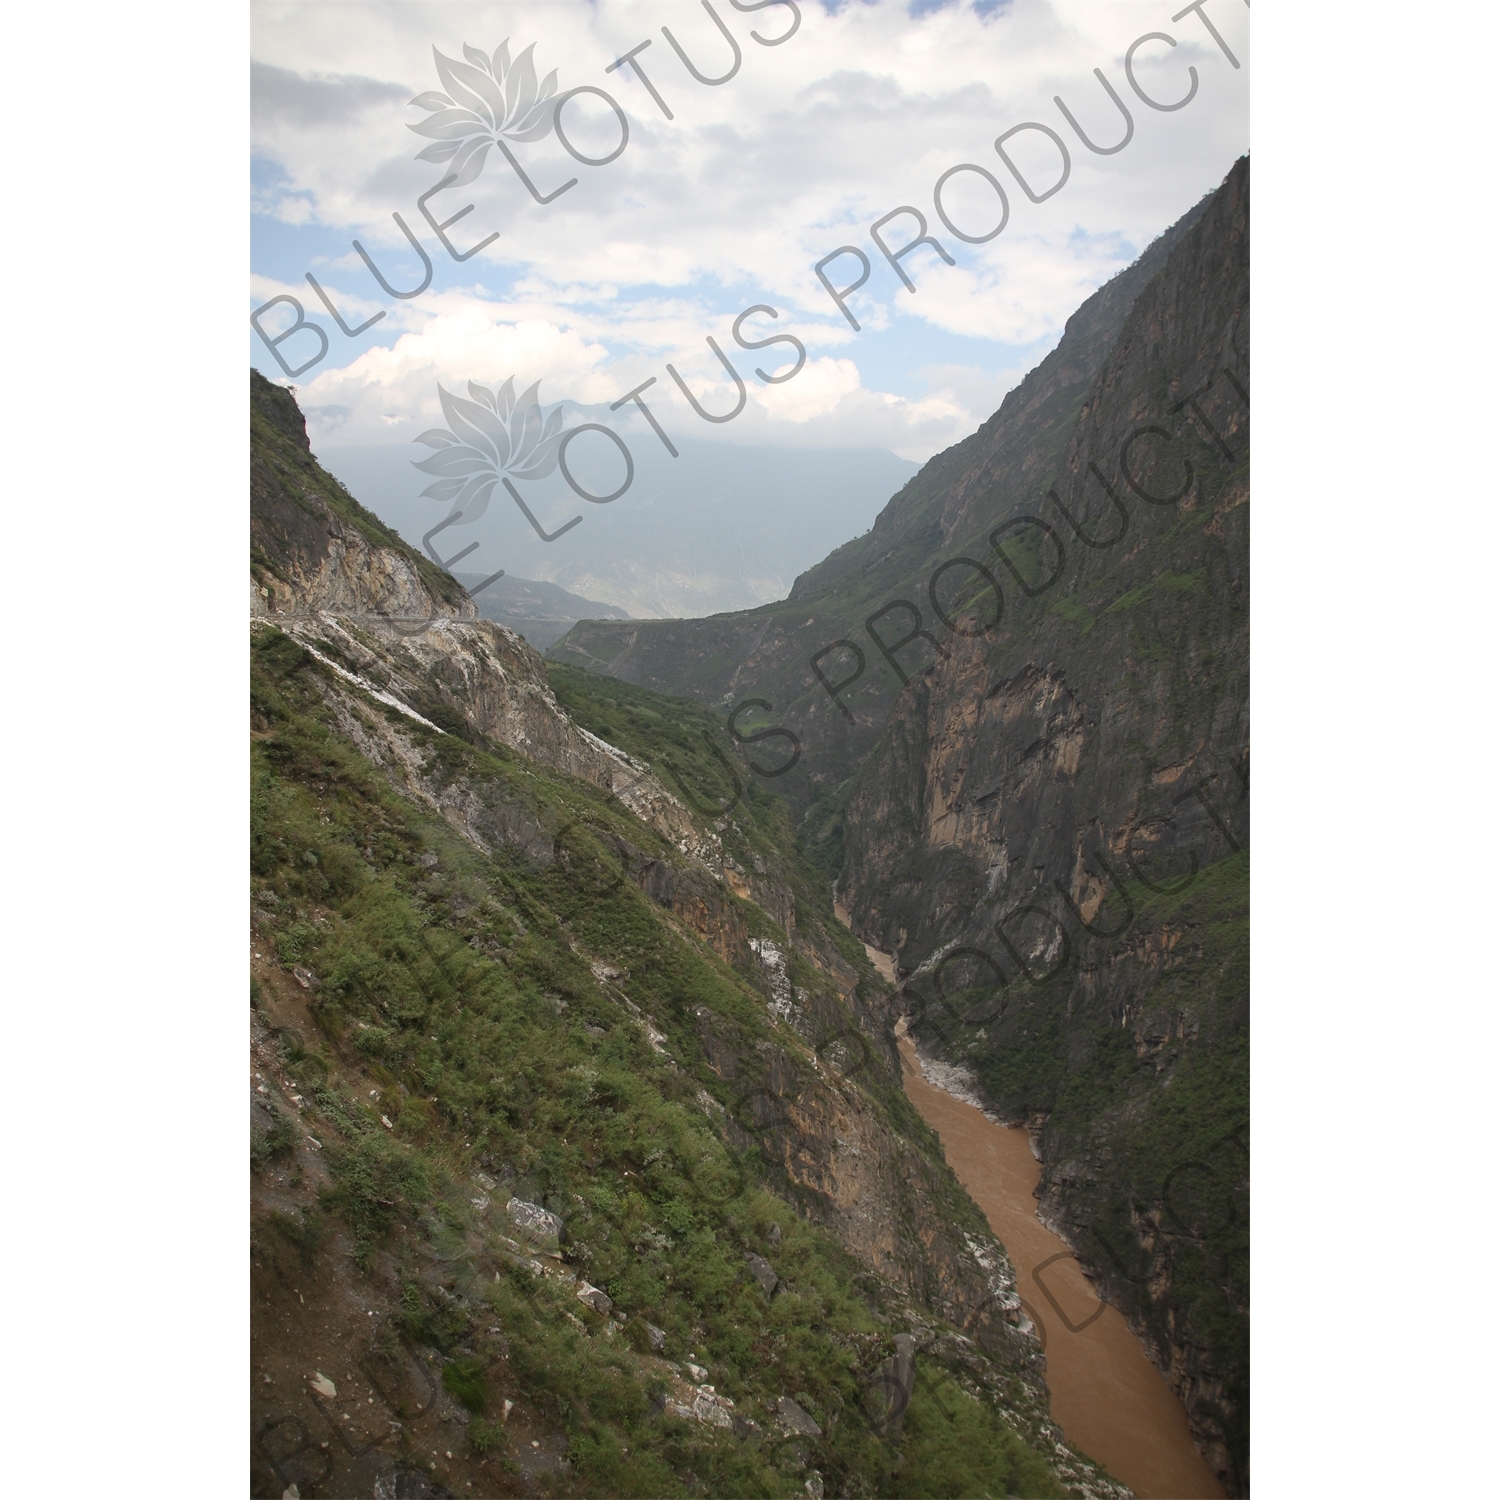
{"points": [[493, 434], [488, 437], [488, 98]]}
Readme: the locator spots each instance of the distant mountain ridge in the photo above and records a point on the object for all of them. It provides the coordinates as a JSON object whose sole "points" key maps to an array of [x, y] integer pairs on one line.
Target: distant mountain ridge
{"points": [[721, 527], [537, 611]]}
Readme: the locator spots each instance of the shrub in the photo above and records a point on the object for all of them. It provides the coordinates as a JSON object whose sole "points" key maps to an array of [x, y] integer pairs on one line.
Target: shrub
{"points": [[306, 1231], [272, 1143], [373, 1179], [484, 1436], [464, 1378], [376, 1041]]}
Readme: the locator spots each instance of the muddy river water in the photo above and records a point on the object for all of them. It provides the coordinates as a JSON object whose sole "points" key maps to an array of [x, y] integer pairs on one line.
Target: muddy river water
{"points": [[1107, 1396]]}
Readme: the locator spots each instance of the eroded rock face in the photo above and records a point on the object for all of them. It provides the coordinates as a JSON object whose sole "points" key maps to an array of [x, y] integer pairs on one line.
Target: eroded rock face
{"points": [[314, 547], [1026, 750], [891, 1206], [946, 509]]}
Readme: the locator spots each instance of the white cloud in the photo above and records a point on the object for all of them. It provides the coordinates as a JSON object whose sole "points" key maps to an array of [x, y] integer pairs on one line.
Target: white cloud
{"points": [[970, 388], [733, 200], [390, 392], [817, 389]]}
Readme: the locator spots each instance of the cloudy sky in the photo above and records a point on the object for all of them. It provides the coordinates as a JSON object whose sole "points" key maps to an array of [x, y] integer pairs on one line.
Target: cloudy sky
{"points": [[728, 204]]}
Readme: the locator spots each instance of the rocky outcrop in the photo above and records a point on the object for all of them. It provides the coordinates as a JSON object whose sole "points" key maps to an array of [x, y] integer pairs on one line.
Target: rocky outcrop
{"points": [[331, 575]]}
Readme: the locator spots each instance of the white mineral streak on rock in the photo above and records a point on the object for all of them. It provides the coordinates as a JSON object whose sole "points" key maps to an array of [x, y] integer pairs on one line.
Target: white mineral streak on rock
{"points": [[997, 1269], [379, 694], [774, 962]]}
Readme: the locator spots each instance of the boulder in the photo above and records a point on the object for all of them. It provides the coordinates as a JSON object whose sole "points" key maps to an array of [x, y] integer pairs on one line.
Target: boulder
{"points": [[794, 1419], [596, 1299], [712, 1408], [762, 1270], [889, 1393], [538, 1224]]}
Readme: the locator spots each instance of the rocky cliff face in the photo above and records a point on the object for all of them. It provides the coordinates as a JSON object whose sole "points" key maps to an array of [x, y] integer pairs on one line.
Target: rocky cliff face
{"points": [[1053, 825], [945, 509], [330, 574]]}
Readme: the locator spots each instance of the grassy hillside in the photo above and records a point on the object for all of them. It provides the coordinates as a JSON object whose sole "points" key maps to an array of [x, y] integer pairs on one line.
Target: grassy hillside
{"points": [[456, 1038], [692, 751]]}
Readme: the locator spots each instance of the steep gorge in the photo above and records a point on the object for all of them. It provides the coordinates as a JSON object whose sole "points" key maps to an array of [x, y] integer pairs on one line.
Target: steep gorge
{"points": [[1041, 806], [1063, 807]]}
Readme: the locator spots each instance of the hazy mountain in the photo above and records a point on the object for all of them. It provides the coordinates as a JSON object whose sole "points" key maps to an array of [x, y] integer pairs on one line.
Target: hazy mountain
{"points": [[720, 528]]}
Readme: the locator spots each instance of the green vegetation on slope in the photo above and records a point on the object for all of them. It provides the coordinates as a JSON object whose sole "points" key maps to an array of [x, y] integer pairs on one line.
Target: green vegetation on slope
{"points": [[465, 985], [692, 752]]}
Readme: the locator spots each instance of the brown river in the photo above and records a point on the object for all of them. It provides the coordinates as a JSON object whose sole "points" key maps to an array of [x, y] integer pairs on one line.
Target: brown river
{"points": [[1107, 1396]]}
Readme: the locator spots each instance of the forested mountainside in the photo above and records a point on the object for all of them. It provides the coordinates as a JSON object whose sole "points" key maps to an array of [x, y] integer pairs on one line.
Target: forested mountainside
{"points": [[580, 1160], [1041, 805]]}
